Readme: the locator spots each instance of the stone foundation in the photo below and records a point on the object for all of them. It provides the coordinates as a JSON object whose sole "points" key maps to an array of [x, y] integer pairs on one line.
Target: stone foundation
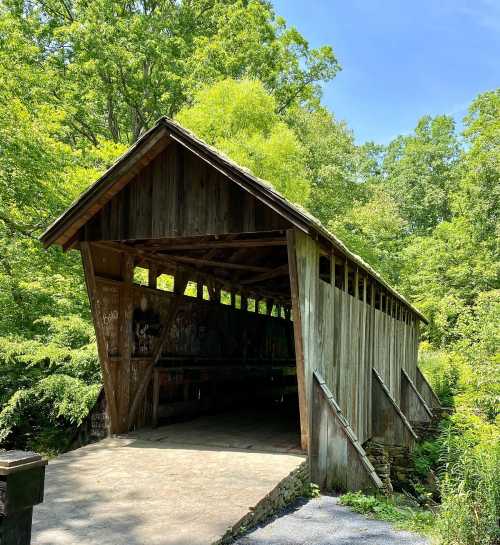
{"points": [[402, 470], [430, 430], [379, 458], [287, 491], [392, 463]]}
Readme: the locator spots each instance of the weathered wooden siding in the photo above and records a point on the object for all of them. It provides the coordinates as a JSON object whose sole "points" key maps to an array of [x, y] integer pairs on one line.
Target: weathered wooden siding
{"points": [[344, 338], [338, 460], [426, 391], [413, 404], [207, 332], [177, 194], [202, 328], [389, 424]]}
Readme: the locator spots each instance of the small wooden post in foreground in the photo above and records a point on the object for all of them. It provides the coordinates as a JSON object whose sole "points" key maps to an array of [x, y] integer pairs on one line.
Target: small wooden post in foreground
{"points": [[22, 478]]}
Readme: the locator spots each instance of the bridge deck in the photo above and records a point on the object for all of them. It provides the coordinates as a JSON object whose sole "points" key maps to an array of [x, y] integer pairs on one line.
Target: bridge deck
{"points": [[183, 484]]}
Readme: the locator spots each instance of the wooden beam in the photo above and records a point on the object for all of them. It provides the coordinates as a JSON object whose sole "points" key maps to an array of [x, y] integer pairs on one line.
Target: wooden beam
{"points": [[199, 261], [156, 396], [208, 245], [299, 346], [141, 390], [273, 273], [166, 265], [102, 348], [199, 289], [180, 282]]}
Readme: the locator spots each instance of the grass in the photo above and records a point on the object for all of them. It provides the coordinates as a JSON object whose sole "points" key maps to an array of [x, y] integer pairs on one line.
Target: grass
{"points": [[402, 516]]}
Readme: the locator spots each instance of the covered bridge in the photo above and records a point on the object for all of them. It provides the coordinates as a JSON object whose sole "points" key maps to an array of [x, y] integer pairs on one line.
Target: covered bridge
{"points": [[210, 291]]}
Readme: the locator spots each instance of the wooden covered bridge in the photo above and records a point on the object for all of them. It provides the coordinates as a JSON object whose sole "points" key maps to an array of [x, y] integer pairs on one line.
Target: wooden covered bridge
{"points": [[210, 292]]}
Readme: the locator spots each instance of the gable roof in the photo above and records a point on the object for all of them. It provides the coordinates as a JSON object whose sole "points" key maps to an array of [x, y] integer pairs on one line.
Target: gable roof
{"points": [[66, 227]]}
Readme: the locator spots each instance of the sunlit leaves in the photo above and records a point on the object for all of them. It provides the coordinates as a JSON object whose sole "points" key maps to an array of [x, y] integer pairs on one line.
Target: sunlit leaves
{"points": [[239, 119]]}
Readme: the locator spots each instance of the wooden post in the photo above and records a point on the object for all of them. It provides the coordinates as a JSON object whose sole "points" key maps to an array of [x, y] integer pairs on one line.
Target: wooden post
{"points": [[152, 275], [156, 396], [22, 479], [199, 289], [299, 343], [102, 348], [141, 390], [126, 341], [180, 282]]}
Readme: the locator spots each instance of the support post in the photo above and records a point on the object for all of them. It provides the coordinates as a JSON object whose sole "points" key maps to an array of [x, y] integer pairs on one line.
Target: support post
{"points": [[22, 478], [299, 343], [126, 341], [102, 349]]}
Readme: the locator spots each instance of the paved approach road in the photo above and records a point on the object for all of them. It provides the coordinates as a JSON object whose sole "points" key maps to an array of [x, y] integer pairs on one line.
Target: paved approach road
{"points": [[322, 521]]}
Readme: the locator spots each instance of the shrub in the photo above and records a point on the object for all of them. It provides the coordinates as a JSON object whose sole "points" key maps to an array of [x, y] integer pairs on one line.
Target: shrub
{"points": [[386, 509], [47, 384], [470, 483], [44, 417], [425, 457]]}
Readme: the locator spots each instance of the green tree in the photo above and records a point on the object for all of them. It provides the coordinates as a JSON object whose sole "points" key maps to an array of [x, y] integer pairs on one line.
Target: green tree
{"points": [[114, 66], [240, 119], [374, 229], [478, 193], [420, 173], [331, 159]]}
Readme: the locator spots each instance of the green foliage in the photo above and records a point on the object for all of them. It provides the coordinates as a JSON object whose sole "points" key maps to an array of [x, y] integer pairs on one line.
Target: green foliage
{"points": [[468, 376], [420, 172], [410, 518], [331, 160], [42, 417], [373, 228], [426, 457], [47, 384], [312, 490], [82, 79], [114, 66], [442, 373], [240, 118], [470, 486]]}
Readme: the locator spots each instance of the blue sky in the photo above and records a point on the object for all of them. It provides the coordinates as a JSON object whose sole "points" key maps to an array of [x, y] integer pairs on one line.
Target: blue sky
{"points": [[401, 59]]}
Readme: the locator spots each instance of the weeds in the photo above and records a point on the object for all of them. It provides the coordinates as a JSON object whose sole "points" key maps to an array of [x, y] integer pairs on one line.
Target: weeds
{"points": [[381, 508]]}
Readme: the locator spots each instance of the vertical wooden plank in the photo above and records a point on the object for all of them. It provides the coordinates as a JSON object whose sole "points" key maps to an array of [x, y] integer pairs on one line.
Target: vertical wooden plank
{"points": [[152, 275], [156, 396], [126, 338], [95, 306], [364, 368], [334, 340], [298, 337]]}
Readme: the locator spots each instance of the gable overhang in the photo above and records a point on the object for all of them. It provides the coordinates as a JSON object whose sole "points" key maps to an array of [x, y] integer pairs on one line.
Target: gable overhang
{"points": [[65, 229]]}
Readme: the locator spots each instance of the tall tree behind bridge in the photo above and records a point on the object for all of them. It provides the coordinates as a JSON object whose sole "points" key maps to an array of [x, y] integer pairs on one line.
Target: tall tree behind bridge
{"points": [[114, 66]]}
